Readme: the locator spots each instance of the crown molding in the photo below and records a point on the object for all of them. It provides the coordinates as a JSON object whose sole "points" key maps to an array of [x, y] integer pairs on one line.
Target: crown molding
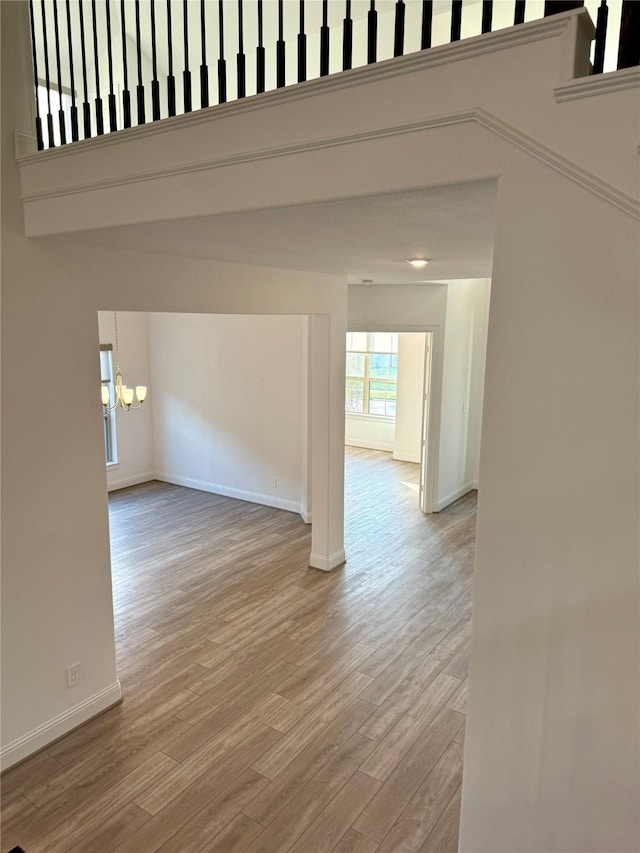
{"points": [[485, 119], [560, 164], [254, 156], [598, 84], [554, 25]]}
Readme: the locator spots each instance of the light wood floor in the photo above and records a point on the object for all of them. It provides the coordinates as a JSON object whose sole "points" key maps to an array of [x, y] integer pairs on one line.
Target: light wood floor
{"points": [[267, 706]]}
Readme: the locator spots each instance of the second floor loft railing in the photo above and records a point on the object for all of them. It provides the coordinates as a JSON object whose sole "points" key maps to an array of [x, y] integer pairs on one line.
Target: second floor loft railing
{"points": [[104, 65]]}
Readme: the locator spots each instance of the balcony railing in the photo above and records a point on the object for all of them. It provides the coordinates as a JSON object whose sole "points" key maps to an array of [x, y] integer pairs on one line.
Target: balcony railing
{"points": [[103, 65]]}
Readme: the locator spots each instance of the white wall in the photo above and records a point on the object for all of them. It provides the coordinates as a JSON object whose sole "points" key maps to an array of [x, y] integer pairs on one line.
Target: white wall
{"points": [[552, 749], [402, 435], [227, 416], [134, 429], [56, 582], [411, 365], [369, 431], [462, 387]]}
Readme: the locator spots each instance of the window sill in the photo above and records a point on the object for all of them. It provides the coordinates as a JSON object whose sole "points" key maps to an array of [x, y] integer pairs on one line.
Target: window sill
{"points": [[113, 466], [383, 419]]}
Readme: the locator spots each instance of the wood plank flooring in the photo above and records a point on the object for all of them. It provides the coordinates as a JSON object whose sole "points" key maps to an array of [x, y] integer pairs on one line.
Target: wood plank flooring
{"points": [[269, 707]]}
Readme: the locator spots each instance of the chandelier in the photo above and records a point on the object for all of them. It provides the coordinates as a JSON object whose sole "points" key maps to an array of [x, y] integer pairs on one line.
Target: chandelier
{"points": [[123, 395]]}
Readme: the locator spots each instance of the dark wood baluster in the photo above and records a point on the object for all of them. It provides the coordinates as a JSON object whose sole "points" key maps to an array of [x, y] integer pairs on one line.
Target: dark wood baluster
{"points": [[456, 20], [45, 44], [601, 37], [372, 33], [518, 15], [629, 47], [427, 23], [241, 60], [222, 63], [554, 7], [126, 94], [204, 68], [113, 119], [155, 83], [171, 80], [260, 54], [39, 139], [61, 122], [324, 40], [74, 109], [186, 76], [347, 39], [302, 48], [96, 64], [398, 33], [86, 109], [280, 48], [140, 86], [487, 15]]}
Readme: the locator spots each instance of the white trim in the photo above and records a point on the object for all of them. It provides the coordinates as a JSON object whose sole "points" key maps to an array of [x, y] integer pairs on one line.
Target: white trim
{"points": [[305, 516], [247, 157], [370, 445], [598, 84], [125, 482], [560, 164], [229, 492], [55, 728], [406, 457], [361, 416], [25, 144], [554, 25], [485, 119], [455, 495], [326, 564]]}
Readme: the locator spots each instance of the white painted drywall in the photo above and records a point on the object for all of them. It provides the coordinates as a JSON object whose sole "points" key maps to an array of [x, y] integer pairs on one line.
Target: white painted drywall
{"points": [[410, 390], [369, 431], [400, 436], [462, 385], [134, 429], [56, 582], [227, 416], [552, 740]]}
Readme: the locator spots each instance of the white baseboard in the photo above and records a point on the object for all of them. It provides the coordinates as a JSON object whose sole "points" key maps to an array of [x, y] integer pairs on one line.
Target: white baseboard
{"points": [[325, 564], [458, 493], [125, 482], [406, 457], [45, 734], [229, 492], [305, 516], [370, 445]]}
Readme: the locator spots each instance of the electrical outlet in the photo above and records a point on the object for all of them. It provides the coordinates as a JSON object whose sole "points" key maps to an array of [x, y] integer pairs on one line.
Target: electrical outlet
{"points": [[274, 483], [75, 674]]}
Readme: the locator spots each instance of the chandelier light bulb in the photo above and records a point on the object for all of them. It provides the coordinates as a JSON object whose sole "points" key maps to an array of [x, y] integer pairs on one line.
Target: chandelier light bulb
{"points": [[123, 395]]}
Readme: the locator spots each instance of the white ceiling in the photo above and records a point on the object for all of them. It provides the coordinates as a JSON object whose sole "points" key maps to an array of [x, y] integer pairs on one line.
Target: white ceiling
{"points": [[358, 238]]}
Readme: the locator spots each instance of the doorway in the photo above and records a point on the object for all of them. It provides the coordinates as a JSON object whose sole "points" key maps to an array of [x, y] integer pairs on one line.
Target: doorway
{"points": [[387, 399]]}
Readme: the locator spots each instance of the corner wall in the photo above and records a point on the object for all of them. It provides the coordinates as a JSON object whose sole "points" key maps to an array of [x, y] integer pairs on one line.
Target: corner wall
{"points": [[226, 405]]}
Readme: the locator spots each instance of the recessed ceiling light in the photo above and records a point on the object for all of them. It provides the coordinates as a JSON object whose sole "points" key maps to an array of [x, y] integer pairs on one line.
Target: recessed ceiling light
{"points": [[417, 262]]}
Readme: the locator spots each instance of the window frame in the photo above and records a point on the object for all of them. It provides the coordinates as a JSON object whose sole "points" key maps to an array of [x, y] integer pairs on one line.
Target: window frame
{"points": [[366, 380], [109, 418]]}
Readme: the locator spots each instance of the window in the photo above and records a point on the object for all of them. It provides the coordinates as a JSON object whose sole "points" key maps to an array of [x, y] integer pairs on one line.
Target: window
{"points": [[109, 418], [372, 373]]}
